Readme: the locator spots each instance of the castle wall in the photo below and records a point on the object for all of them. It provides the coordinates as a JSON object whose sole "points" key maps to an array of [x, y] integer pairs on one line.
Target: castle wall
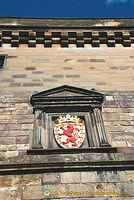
{"points": [[29, 70]]}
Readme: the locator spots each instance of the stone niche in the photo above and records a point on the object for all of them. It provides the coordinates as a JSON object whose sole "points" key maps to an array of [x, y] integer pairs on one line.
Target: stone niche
{"points": [[50, 104]]}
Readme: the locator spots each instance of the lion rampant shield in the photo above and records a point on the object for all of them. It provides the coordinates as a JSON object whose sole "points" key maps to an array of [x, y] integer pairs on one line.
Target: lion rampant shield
{"points": [[69, 135]]}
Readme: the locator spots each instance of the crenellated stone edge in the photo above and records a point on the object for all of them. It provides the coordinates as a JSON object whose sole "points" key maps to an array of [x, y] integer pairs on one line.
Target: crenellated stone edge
{"points": [[64, 38]]}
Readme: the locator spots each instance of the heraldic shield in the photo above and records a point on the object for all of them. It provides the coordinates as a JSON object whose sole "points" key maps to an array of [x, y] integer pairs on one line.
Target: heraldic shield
{"points": [[69, 131]]}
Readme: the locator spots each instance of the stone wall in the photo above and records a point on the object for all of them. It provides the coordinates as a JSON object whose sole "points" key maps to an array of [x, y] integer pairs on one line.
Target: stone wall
{"points": [[70, 185], [29, 70], [106, 69]]}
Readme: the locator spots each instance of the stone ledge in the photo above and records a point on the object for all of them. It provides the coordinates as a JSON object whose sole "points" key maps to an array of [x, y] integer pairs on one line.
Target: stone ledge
{"points": [[72, 151], [32, 168], [66, 22]]}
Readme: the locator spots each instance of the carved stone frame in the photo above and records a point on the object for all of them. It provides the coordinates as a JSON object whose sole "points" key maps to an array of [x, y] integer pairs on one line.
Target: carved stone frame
{"points": [[63, 100]]}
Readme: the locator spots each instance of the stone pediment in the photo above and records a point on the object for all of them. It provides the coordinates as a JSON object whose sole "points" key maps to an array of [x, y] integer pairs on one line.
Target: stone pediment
{"points": [[66, 94], [66, 90]]}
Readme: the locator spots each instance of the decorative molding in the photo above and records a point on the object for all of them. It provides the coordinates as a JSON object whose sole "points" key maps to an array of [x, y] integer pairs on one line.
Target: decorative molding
{"points": [[66, 96], [110, 165], [50, 104], [65, 38]]}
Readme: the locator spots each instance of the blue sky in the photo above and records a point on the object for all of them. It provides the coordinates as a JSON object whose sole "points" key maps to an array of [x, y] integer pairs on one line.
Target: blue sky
{"points": [[67, 8]]}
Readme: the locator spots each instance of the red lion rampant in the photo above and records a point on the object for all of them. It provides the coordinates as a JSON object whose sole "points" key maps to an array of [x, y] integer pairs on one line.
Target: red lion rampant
{"points": [[69, 132]]}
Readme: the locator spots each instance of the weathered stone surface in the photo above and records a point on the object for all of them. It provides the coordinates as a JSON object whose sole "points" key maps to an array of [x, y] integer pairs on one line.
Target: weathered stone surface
{"points": [[9, 154], [7, 140], [8, 181], [27, 126], [70, 177], [89, 177], [102, 176], [11, 193], [40, 60], [2, 126], [12, 147], [21, 105], [30, 179], [128, 187], [22, 139], [33, 192], [109, 98], [22, 147], [28, 70], [94, 156], [129, 175], [50, 179], [12, 127]]}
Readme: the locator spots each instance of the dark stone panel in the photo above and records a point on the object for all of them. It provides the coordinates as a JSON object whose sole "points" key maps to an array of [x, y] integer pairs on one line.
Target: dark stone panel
{"points": [[30, 68], [7, 80], [82, 60], [58, 76], [37, 72], [12, 56], [19, 76], [49, 80], [73, 76], [15, 85], [32, 84], [67, 68], [114, 68], [91, 67], [67, 60], [124, 67], [100, 83], [96, 60]]}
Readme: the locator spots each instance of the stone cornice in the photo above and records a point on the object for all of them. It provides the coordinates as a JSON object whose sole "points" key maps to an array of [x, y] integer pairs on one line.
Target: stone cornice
{"points": [[109, 165], [94, 159], [66, 22], [65, 32]]}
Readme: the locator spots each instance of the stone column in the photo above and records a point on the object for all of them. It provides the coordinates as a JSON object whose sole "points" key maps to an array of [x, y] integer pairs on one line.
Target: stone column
{"points": [[100, 127], [37, 133]]}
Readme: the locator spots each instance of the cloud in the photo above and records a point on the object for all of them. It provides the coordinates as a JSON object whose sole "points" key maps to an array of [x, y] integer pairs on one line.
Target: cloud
{"points": [[119, 1]]}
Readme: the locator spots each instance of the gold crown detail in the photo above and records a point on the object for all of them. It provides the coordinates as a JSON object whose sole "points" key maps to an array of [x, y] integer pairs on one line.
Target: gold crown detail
{"points": [[67, 118]]}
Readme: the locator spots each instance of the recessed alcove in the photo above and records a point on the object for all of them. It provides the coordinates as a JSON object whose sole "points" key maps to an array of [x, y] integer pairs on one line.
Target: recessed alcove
{"points": [[60, 101]]}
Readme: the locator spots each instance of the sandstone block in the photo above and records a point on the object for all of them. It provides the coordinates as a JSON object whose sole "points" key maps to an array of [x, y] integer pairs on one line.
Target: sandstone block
{"points": [[7, 140], [70, 177], [30, 179], [130, 175], [89, 177], [9, 154], [109, 98], [12, 127], [27, 126], [11, 193], [51, 179], [22, 139]]}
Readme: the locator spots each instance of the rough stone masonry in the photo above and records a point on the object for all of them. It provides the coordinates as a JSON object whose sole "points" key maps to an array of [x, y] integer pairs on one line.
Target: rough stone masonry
{"points": [[40, 54]]}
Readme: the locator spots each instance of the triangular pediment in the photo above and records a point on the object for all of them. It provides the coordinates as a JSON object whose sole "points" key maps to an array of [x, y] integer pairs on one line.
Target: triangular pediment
{"points": [[66, 90], [66, 94]]}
